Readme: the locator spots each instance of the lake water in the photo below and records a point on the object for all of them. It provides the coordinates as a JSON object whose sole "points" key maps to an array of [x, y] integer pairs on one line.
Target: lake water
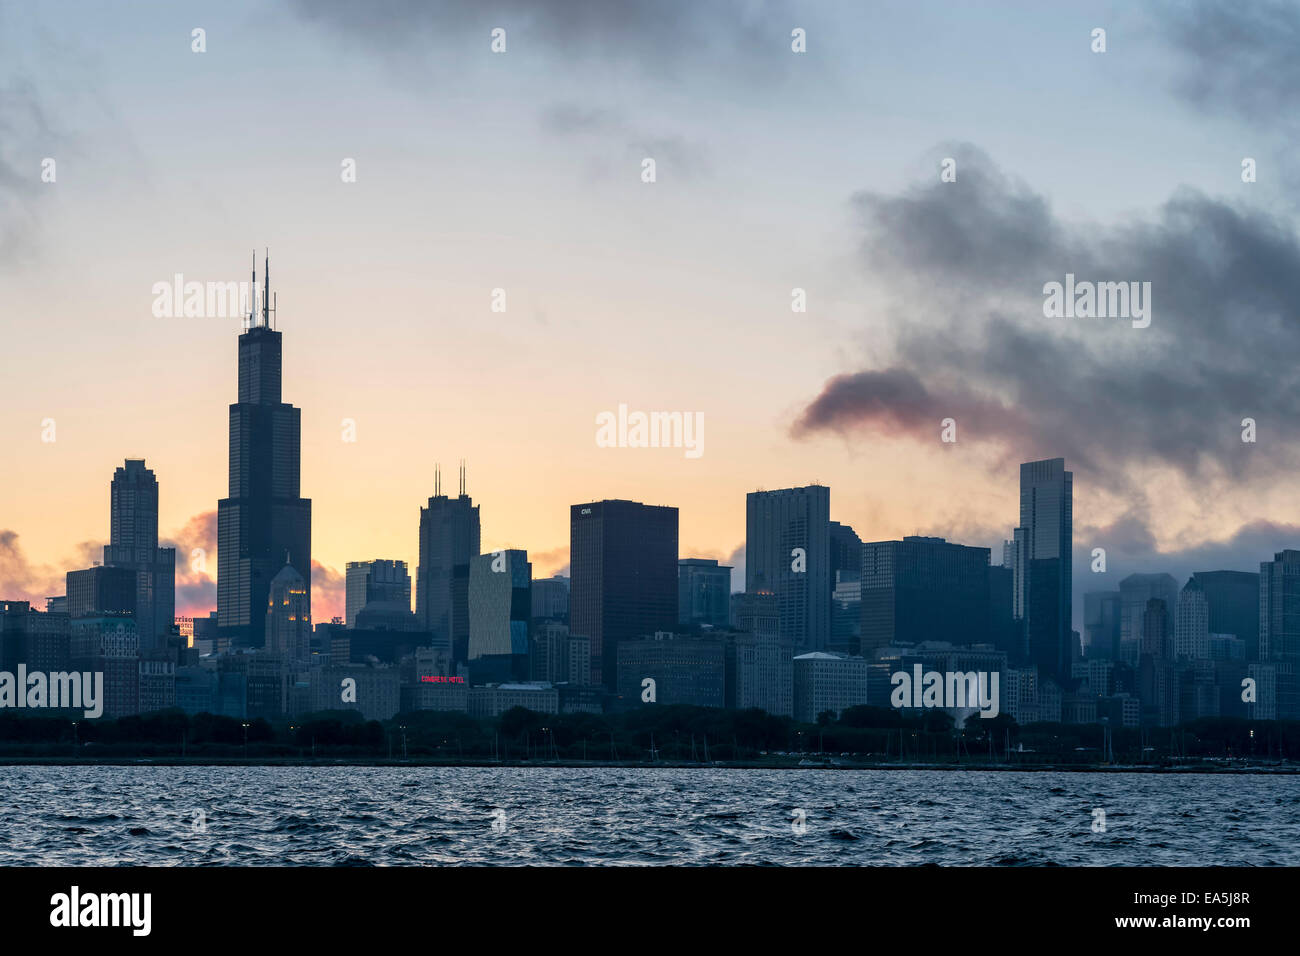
{"points": [[105, 815]]}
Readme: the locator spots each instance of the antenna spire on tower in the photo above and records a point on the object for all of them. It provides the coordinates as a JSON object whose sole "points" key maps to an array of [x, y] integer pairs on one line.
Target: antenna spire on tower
{"points": [[266, 289], [252, 295]]}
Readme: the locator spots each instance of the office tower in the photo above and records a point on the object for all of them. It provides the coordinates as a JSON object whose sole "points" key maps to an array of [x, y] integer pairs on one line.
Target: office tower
{"points": [[99, 591], [376, 580], [1004, 631], [703, 593], [827, 682], [556, 656], [685, 669], [133, 544], [787, 552], [1135, 591], [262, 519], [449, 539], [551, 598], [288, 617], [1043, 545], [760, 673], [757, 612], [1233, 599], [845, 553], [1192, 622], [1279, 628], [1101, 623], [623, 569], [1157, 639], [500, 605], [923, 589], [846, 616]]}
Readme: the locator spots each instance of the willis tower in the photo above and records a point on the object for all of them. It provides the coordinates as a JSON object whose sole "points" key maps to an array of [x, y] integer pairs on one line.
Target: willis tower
{"points": [[262, 524]]}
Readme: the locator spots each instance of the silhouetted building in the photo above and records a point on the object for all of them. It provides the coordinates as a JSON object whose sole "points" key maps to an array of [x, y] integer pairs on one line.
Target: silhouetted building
{"points": [[1042, 555], [827, 682], [500, 605], [703, 592], [1101, 624], [845, 554], [685, 670], [787, 552], [556, 656], [111, 645], [377, 580], [1279, 627], [550, 598], [133, 544], [1005, 633], [760, 673], [1192, 623], [923, 589], [99, 591], [623, 558], [449, 540], [263, 517], [288, 617], [1135, 591], [1233, 599]]}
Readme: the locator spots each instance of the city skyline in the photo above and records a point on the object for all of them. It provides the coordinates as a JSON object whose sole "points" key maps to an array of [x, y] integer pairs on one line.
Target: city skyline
{"points": [[389, 280]]}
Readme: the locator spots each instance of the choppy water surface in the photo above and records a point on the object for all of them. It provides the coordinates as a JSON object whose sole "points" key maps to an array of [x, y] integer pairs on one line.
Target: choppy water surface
{"points": [[103, 815]]}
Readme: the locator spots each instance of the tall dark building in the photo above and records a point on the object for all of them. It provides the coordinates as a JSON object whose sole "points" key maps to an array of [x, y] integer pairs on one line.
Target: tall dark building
{"points": [[788, 552], [703, 592], [1042, 553], [1279, 627], [101, 592], [1101, 623], [846, 554], [1004, 630], [924, 589], [133, 544], [262, 524], [1233, 597], [449, 540], [623, 574]]}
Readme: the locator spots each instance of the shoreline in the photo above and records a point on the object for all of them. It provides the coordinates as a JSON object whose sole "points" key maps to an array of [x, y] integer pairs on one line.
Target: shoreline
{"points": [[1287, 769]]}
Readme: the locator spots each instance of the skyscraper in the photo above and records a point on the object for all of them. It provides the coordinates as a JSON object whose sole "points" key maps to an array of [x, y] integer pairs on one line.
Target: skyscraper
{"points": [[923, 589], [623, 557], [1233, 598], [703, 592], [376, 580], [1042, 552], [1101, 623], [1279, 627], [500, 604], [449, 540], [1135, 591], [288, 617], [262, 524], [1192, 622], [787, 552], [133, 544]]}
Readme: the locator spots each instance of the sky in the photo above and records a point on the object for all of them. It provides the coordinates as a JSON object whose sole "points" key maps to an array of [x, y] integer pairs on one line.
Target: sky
{"points": [[775, 170]]}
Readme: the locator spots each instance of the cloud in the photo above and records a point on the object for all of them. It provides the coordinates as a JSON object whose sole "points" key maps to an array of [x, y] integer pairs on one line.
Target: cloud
{"points": [[196, 565], [25, 141], [328, 592], [550, 563], [966, 263], [608, 130], [1236, 58], [20, 580]]}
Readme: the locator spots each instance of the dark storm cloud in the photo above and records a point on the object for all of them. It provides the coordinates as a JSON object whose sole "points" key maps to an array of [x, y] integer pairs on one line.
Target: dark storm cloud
{"points": [[1236, 57], [967, 262]]}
